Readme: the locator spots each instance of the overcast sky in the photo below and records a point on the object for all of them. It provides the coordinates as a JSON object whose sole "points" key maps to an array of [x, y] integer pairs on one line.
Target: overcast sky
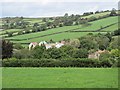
{"points": [[45, 8]]}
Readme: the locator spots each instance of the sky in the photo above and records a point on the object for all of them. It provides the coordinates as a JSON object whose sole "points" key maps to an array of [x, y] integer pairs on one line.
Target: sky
{"points": [[48, 8]]}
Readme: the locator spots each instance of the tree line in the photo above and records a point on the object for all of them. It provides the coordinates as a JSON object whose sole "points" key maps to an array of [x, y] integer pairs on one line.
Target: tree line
{"points": [[75, 49]]}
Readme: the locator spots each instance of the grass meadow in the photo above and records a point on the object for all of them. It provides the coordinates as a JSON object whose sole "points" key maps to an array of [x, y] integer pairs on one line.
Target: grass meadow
{"points": [[60, 78]]}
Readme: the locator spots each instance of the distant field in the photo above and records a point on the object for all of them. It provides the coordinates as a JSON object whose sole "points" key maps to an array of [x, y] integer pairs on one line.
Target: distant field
{"points": [[111, 28], [61, 33], [34, 20], [58, 34], [10, 30], [60, 78], [50, 31], [57, 37], [95, 25], [97, 15]]}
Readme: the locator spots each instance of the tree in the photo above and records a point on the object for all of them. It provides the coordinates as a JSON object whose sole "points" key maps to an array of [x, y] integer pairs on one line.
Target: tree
{"points": [[92, 18], [88, 43], [117, 32], [102, 41], [44, 20], [36, 25], [104, 56], [68, 22], [81, 53], [7, 49], [68, 50], [74, 43], [20, 32], [115, 43], [43, 27], [18, 46], [66, 15], [55, 53], [115, 53], [109, 35], [38, 52], [113, 12], [10, 34]]}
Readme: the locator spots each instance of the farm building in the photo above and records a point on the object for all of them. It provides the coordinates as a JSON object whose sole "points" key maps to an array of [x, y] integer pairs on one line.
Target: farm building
{"points": [[96, 54], [47, 45]]}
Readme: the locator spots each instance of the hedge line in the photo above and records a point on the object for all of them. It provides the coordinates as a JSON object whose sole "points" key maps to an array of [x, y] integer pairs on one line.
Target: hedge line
{"points": [[77, 62]]}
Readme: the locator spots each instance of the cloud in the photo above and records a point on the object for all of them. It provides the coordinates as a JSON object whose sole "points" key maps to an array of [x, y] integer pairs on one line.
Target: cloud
{"points": [[47, 8], [46, 1], [93, 9]]}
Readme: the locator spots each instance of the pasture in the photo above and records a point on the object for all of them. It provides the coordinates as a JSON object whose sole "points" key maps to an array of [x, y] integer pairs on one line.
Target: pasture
{"points": [[56, 37], [10, 30], [60, 78], [98, 24], [97, 15], [61, 33], [50, 31]]}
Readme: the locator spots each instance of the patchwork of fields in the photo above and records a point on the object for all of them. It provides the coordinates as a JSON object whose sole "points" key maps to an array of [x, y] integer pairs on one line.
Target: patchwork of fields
{"points": [[60, 78], [104, 25], [68, 32]]}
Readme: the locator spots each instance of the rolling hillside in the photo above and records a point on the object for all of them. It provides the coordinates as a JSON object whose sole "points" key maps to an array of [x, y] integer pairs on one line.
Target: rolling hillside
{"points": [[104, 25]]}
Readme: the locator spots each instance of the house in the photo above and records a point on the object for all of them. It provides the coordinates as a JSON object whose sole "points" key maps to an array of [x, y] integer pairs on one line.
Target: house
{"points": [[47, 45], [32, 45], [96, 54]]}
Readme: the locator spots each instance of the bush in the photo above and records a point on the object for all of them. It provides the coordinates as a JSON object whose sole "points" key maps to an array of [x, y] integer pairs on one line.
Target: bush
{"points": [[10, 34], [20, 32], [18, 46], [106, 63], [68, 62], [23, 53], [81, 53]]}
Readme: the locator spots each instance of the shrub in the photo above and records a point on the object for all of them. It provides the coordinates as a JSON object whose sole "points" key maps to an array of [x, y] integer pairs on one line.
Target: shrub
{"points": [[106, 63], [23, 53], [20, 32], [10, 34], [68, 62], [18, 46]]}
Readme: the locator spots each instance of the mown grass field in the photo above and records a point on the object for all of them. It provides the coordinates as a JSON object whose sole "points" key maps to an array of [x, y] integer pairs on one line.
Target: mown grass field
{"points": [[57, 37], [60, 78], [10, 30], [50, 31], [95, 25]]}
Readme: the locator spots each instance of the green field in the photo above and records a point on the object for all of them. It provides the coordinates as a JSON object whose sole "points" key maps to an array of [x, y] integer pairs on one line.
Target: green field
{"points": [[95, 25], [57, 37], [50, 31], [60, 78], [97, 15], [60, 33], [9, 30], [111, 28]]}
